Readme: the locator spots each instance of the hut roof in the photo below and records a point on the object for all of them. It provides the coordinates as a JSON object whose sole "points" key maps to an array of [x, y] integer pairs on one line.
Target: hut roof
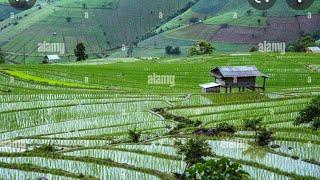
{"points": [[314, 49], [53, 57], [237, 71], [210, 85]]}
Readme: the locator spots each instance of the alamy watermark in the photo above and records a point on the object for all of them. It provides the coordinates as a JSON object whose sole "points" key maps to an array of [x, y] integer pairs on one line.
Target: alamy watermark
{"points": [[272, 47], [51, 47], [155, 79]]}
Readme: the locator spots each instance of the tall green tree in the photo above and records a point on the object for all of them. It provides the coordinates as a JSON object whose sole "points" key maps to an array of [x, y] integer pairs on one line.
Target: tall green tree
{"points": [[311, 114], [194, 151], [216, 170], [80, 52], [303, 43], [201, 48], [1, 56]]}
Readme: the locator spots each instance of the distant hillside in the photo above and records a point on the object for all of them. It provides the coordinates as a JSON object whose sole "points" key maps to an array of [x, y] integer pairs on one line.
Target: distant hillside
{"points": [[233, 25], [110, 24], [6, 10]]}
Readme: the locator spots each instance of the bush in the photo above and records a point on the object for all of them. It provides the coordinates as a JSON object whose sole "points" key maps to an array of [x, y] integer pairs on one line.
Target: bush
{"points": [[1, 56], [303, 43], [225, 127], [195, 150], [134, 135], [68, 19], [252, 124], [264, 137], [216, 169], [173, 51], [253, 49], [45, 148], [201, 48], [312, 111], [194, 20], [316, 123]]}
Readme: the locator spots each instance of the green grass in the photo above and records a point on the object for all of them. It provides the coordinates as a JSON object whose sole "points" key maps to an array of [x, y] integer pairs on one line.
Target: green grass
{"points": [[109, 27], [63, 110], [27, 77]]}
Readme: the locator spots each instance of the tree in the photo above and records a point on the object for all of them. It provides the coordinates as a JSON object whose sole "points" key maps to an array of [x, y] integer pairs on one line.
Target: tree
{"points": [[194, 151], [68, 19], [130, 51], [303, 43], [201, 48], [1, 56], [309, 113], [168, 49], [249, 12], [253, 124], [253, 49], [134, 135], [225, 127], [172, 51], [316, 123], [259, 21], [194, 20], [216, 170], [264, 137], [84, 6], [80, 52], [45, 148]]}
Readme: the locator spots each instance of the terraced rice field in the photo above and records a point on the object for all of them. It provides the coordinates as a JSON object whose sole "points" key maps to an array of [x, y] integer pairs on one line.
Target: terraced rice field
{"points": [[88, 121], [109, 25]]}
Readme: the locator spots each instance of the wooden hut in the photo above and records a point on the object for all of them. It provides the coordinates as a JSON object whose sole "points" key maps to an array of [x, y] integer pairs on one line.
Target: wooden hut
{"points": [[238, 77], [51, 59]]}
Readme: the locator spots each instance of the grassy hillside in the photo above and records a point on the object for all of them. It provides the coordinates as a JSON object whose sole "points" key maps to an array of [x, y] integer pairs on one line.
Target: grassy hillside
{"points": [[234, 25], [40, 105], [109, 25]]}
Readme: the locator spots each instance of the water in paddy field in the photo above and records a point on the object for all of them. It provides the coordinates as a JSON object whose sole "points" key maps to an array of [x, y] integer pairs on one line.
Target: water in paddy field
{"points": [[133, 89]]}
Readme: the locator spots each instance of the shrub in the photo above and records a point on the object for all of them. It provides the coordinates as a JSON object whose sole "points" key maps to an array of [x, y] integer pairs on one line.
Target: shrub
{"points": [[316, 123], [1, 56], [134, 135], [225, 127], [195, 150], [253, 49], [201, 48], [45, 148], [68, 19], [172, 51], [312, 111], [194, 20], [264, 137], [303, 43], [252, 124], [216, 169]]}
